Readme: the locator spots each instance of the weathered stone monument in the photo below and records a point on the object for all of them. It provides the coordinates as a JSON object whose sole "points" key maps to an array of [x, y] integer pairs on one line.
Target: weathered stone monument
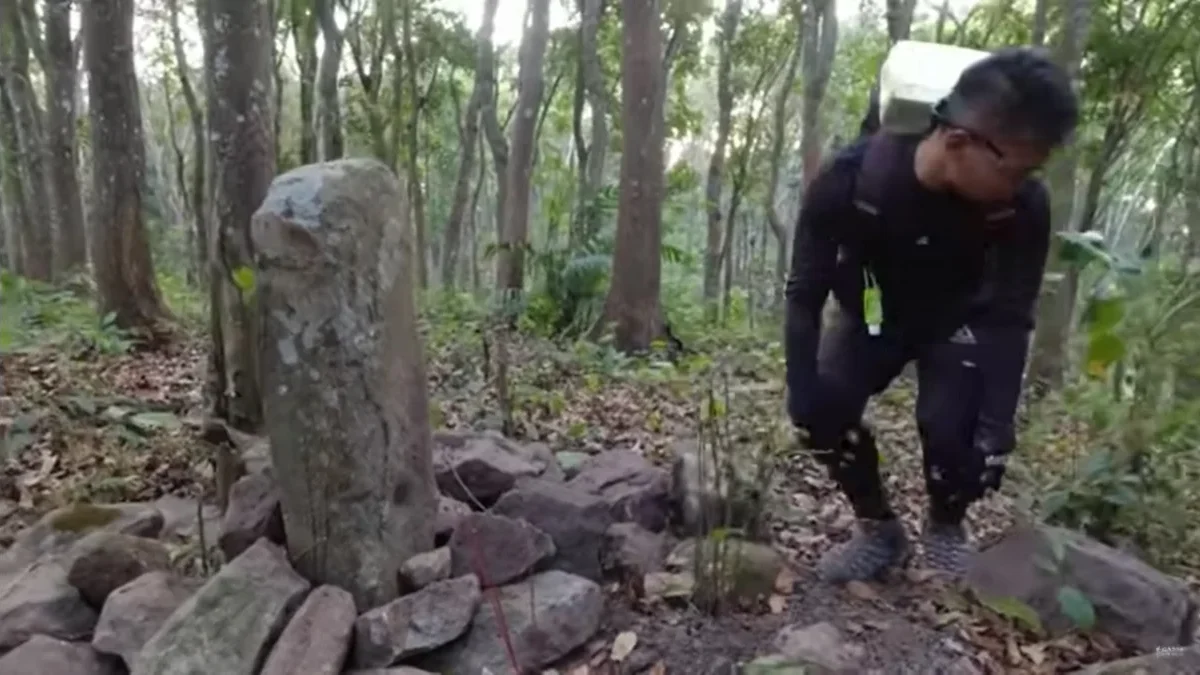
{"points": [[343, 370]]}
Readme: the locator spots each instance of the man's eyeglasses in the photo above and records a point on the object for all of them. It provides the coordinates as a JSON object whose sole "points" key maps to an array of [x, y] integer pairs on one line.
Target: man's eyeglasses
{"points": [[940, 118]]}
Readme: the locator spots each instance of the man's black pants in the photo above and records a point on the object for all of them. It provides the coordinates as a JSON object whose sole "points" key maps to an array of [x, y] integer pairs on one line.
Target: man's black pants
{"points": [[852, 366]]}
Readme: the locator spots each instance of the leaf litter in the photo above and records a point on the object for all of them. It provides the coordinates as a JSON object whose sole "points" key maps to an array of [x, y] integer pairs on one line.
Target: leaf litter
{"points": [[120, 428]]}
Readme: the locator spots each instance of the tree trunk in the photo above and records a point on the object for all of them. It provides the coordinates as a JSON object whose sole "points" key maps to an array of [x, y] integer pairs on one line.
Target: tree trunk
{"points": [[716, 163], [37, 238], [899, 14], [355, 469], [5, 218], [597, 100], [494, 133], [124, 271], [510, 263], [416, 193], [240, 130], [820, 46], [633, 304], [468, 140], [1048, 362], [199, 143], [304, 37], [1041, 10], [939, 29], [329, 114], [280, 80], [16, 212], [368, 63], [778, 127], [70, 246], [473, 221]]}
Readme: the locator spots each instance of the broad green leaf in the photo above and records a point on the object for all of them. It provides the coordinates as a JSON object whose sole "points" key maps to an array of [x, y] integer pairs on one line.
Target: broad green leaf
{"points": [[154, 421], [1016, 610], [437, 416], [81, 406], [15, 443], [27, 421], [577, 431], [115, 413], [1056, 500], [716, 407], [1082, 248], [1077, 607], [1121, 495], [243, 278], [1103, 314], [1058, 547], [1104, 349], [1097, 463]]}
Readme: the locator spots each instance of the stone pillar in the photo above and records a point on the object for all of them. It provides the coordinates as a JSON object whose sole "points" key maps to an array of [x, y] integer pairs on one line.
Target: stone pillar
{"points": [[345, 400]]}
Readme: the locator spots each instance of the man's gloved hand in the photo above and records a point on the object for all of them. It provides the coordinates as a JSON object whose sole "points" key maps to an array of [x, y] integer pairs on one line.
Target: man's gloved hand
{"points": [[824, 436], [994, 443]]}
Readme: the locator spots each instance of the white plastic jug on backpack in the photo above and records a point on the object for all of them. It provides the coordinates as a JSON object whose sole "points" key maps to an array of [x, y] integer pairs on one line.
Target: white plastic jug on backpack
{"points": [[914, 77]]}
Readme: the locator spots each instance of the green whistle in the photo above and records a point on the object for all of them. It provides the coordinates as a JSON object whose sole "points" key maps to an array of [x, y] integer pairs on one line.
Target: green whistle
{"points": [[872, 304]]}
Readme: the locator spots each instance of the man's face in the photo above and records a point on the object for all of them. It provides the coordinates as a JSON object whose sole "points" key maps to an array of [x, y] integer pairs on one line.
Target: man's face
{"points": [[989, 169]]}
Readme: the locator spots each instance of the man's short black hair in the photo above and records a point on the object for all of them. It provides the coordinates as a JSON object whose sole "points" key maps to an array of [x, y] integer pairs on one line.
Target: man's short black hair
{"points": [[1016, 92]]}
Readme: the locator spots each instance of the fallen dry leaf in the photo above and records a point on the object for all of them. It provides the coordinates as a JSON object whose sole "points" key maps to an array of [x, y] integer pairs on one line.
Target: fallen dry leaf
{"points": [[623, 646], [77, 455], [861, 590], [1012, 652], [919, 575], [947, 618], [1035, 653], [785, 583], [777, 603]]}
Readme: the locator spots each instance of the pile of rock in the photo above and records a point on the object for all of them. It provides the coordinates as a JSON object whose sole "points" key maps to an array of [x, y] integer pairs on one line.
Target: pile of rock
{"points": [[523, 546], [522, 551]]}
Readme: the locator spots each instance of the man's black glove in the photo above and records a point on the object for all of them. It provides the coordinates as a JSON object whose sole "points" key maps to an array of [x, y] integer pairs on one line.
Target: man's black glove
{"points": [[822, 436], [994, 442]]}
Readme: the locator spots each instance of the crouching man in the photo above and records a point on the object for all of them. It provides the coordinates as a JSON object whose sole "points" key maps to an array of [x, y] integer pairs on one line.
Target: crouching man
{"points": [[933, 246]]}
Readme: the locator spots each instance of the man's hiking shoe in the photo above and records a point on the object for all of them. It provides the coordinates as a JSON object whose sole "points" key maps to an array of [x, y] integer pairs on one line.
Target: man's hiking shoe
{"points": [[875, 546], [947, 549]]}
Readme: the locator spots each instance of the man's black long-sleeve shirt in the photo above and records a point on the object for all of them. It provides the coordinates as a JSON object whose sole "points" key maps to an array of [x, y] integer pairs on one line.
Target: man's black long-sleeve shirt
{"points": [[936, 261]]}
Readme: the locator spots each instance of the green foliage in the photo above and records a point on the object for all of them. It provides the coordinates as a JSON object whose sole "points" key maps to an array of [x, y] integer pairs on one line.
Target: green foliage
{"points": [[861, 50], [1077, 607], [37, 315], [243, 279], [1132, 457], [188, 303], [1016, 611]]}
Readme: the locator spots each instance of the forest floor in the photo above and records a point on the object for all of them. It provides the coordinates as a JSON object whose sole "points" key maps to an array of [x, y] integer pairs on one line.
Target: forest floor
{"points": [[89, 426]]}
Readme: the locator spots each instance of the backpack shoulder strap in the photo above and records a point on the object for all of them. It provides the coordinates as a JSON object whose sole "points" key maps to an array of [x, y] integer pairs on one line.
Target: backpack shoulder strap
{"points": [[871, 183], [870, 189]]}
